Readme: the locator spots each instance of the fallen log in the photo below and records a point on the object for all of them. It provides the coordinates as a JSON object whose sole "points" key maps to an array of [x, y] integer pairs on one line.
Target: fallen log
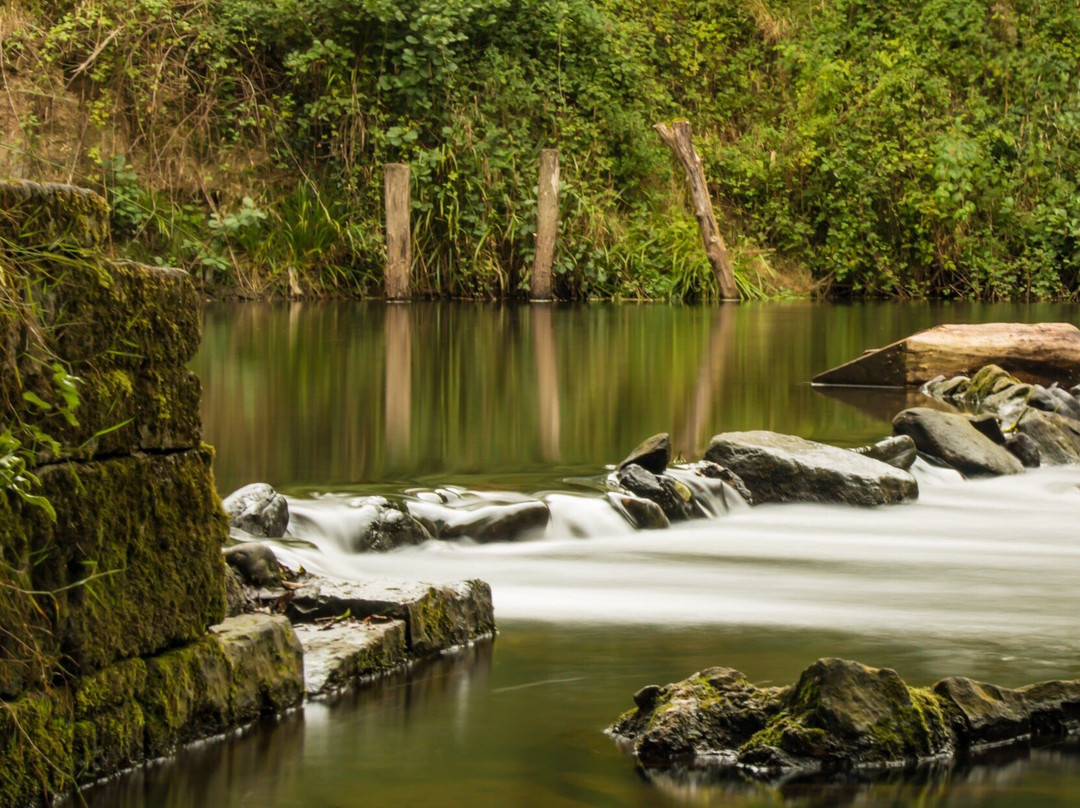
{"points": [[1040, 353]]}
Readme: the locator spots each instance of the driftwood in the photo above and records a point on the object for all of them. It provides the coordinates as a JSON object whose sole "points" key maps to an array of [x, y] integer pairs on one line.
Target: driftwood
{"points": [[1042, 353], [677, 137]]}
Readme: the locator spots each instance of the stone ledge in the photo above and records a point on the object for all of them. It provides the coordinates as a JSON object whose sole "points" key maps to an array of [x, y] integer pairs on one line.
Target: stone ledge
{"points": [[52, 215], [340, 655]]}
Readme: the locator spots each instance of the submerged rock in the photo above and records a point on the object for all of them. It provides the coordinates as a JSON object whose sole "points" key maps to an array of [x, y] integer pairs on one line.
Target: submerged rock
{"points": [[484, 523], [839, 716], [1025, 449], [652, 454], [955, 440], [785, 468], [257, 509], [644, 514]]}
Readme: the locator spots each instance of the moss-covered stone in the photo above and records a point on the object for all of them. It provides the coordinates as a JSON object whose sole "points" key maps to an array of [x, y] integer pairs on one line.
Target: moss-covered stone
{"points": [[338, 656], [120, 411], [266, 665], [186, 696], [35, 749], [52, 216], [134, 556]]}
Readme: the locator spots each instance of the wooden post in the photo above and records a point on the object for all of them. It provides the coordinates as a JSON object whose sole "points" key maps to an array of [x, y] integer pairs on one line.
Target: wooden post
{"points": [[677, 136], [398, 237], [547, 224]]}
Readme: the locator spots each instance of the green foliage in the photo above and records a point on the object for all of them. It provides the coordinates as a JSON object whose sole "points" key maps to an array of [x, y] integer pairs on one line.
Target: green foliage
{"points": [[890, 148]]}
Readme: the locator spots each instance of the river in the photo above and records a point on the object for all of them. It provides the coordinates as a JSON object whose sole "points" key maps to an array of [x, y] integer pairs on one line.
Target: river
{"points": [[326, 401]]}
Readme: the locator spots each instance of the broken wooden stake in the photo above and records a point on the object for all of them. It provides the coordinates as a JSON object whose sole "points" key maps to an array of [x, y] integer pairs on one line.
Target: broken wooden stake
{"points": [[677, 136], [398, 236], [547, 224]]}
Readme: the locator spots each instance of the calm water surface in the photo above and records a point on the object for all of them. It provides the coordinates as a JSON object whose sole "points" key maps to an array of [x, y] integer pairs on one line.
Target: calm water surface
{"points": [[977, 578]]}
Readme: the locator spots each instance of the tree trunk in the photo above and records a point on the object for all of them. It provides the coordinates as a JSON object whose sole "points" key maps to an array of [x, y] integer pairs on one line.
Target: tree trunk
{"points": [[678, 137]]}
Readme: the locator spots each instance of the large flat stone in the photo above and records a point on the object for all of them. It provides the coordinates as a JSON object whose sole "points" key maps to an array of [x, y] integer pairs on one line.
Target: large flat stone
{"points": [[436, 617], [341, 654], [785, 468]]}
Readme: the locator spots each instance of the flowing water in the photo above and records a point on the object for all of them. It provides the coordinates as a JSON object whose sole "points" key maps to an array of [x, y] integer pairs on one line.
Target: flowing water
{"points": [[977, 578]]}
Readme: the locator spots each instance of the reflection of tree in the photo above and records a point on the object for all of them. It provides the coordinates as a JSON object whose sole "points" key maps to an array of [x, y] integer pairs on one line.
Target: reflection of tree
{"points": [[398, 380], [547, 382], [689, 437]]}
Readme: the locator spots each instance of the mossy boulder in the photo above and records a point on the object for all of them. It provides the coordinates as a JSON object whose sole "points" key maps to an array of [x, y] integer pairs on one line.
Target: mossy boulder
{"points": [[35, 749], [52, 215], [266, 666], [134, 556], [839, 716]]}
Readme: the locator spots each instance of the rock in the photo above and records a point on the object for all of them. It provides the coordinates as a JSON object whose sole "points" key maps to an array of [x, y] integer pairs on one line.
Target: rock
{"points": [[784, 468], [714, 471], [484, 523], [898, 451], [644, 514], [839, 716], [1038, 353], [989, 426], [1058, 443], [673, 497], [714, 490], [1053, 399], [989, 379], [258, 510], [652, 454], [1025, 449], [713, 712], [436, 617], [948, 388], [342, 654], [953, 439], [236, 601], [266, 664], [255, 562]]}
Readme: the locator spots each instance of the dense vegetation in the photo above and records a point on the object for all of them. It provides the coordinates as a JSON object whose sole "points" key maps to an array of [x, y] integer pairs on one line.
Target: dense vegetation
{"points": [[873, 147]]}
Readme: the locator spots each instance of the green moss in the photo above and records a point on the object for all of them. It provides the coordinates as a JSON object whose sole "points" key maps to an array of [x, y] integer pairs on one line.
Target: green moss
{"points": [[52, 216], [35, 748]]}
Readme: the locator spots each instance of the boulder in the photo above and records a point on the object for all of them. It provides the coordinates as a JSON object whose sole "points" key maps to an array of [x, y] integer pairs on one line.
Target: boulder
{"points": [[652, 454], [839, 716], [953, 439], [673, 497], [258, 510], [255, 562], [785, 468], [1055, 436], [714, 490], [989, 426], [1053, 399], [942, 387], [1025, 449], [486, 522], [898, 451]]}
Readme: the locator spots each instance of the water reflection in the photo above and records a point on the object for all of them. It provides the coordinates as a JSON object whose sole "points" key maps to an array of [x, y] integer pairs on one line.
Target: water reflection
{"points": [[348, 395]]}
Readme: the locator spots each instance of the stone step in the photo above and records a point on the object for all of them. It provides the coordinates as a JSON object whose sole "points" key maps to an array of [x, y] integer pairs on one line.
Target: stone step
{"points": [[341, 654]]}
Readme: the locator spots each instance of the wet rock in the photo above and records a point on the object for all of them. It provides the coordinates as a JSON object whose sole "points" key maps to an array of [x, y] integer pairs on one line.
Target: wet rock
{"points": [[898, 451], [258, 510], [717, 481], [644, 514], [953, 439], [784, 468], [652, 454], [266, 664], [673, 497], [496, 522], [989, 426], [839, 716], [255, 562], [1058, 442], [436, 617], [1025, 449], [339, 655]]}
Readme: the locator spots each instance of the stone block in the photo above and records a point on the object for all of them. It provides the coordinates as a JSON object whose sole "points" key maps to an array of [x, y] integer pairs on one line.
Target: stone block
{"points": [[266, 665], [52, 216], [339, 655]]}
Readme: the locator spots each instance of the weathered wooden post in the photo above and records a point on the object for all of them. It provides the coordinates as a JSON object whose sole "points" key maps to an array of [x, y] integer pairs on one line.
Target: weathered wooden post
{"points": [[547, 224], [677, 136], [398, 236]]}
